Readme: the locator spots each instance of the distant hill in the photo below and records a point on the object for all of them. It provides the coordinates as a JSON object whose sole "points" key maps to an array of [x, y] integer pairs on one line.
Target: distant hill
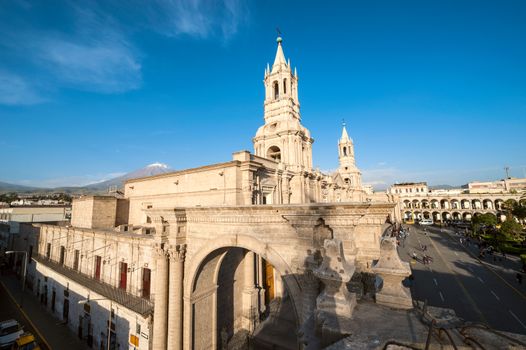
{"points": [[150, 170], [7, 187], [96, 188]]}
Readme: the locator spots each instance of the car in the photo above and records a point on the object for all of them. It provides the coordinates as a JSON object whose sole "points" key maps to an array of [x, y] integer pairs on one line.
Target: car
{"points": [[425, 222], [26, 342], [10, 331]]}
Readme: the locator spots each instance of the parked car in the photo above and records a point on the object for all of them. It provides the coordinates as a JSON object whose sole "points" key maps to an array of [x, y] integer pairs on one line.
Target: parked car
{"points": [[425, 222], [26, 342], [10, 330]]}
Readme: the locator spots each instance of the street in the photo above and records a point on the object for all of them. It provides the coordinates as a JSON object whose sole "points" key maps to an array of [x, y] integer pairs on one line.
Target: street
{"points": [[457, 280], [49, 331]]}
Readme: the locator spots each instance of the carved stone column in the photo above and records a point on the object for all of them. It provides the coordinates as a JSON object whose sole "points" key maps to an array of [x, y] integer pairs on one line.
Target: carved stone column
{"points": [[175, 297], [250, 294], [160, 306]]}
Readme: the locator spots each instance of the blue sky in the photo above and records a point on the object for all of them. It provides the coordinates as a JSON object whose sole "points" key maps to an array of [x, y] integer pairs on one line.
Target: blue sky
{"points": [[430, 90]]}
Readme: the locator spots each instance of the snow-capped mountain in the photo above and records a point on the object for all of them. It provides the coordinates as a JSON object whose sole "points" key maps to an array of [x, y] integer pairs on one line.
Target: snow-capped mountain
{"points": [[149, 170]]}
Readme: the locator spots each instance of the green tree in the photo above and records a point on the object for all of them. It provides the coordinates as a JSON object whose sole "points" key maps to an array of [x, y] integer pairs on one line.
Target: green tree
{"points": [[483, 220], [507, 208], [511, 229]]}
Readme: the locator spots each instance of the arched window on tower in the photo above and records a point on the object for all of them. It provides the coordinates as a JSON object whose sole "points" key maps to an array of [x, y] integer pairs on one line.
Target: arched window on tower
{"points": [[345, 151], [276, 90], [284, 86], [274, 153]]}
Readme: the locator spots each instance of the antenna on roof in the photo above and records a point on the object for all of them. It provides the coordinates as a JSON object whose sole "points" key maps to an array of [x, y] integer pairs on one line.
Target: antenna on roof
{"points": [[507, 169]]}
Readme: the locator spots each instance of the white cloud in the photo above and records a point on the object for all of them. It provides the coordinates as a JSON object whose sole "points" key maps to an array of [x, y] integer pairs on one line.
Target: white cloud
{"points": [[100, 65], [198, 18], [16, 90]]}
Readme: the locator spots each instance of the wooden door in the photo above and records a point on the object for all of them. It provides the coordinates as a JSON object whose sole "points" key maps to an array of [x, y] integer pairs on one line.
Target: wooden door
{"points": [[98, 261], [269, 282], [146, 277], [123, 281]]}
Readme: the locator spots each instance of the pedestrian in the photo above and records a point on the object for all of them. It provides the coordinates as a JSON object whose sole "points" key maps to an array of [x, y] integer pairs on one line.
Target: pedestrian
{"points": [[414, 256]]}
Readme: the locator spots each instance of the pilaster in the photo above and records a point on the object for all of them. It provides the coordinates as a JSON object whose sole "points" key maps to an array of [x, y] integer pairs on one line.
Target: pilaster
{"points": [[175, 306], [160, 315]]}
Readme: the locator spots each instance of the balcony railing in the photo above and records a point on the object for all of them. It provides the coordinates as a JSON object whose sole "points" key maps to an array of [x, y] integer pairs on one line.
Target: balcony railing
{"points": [[139, 305]]}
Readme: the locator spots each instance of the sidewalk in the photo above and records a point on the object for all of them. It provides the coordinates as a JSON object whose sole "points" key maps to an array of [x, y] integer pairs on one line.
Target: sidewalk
{"points": [[55, 334]]}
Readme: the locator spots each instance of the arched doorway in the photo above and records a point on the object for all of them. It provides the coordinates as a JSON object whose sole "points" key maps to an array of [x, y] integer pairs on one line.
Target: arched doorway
{"points": [[233, 289]]}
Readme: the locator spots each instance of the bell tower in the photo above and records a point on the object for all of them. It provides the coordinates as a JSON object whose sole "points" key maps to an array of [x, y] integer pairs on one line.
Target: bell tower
{"points": [[350, 174], [282, 138]]}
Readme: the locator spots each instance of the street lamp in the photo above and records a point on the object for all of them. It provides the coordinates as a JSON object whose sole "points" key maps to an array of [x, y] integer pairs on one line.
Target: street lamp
{"points": [[24, 271], [85, 301]]}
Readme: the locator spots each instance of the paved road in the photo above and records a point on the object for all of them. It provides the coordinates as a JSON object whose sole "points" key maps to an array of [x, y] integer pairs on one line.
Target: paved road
{"points": [[9, 310], [57, 335], [457, 280]]}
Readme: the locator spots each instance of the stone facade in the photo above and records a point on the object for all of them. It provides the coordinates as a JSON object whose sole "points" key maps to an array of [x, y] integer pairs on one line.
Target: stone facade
{"points": [[416, 201], [223, 246]]}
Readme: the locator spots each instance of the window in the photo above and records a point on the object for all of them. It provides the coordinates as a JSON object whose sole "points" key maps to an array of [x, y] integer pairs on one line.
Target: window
{"points": [[274, 153], [48, 250], [284, 86], [62, 255], [76, 260], [276, 90], [123, 279], [345, 151]]}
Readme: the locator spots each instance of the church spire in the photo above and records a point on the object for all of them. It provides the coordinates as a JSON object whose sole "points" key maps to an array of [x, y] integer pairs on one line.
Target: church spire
{"points": [[280, 56], [345, 136]]}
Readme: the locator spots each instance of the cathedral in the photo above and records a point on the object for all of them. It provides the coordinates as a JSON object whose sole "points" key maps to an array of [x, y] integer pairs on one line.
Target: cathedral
{"points": [[193, 258]]}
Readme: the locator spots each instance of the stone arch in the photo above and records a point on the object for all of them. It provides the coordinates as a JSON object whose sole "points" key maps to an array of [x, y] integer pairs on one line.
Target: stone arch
{"points": [[435, 204], [466, 216], [445, 216], [436, 216], [212, 254], [276, 89], [456, 215], [426, 215], [455, 204], [274, 152], [444, 204], [407, 203], [487, 204]]}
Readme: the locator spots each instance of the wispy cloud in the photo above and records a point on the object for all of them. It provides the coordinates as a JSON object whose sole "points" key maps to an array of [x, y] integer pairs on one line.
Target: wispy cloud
{"points": [[95, 51], [198, 18], [16, 90], [92, 54], [99, 65]]}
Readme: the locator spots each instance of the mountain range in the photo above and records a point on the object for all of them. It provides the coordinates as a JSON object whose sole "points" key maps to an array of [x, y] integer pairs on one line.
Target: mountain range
{"points": [[95, 188]]}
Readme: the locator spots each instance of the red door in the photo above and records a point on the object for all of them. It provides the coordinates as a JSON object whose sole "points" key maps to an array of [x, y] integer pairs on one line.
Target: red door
{"points": [[124, 276], [98, 261], [146, 275]]}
